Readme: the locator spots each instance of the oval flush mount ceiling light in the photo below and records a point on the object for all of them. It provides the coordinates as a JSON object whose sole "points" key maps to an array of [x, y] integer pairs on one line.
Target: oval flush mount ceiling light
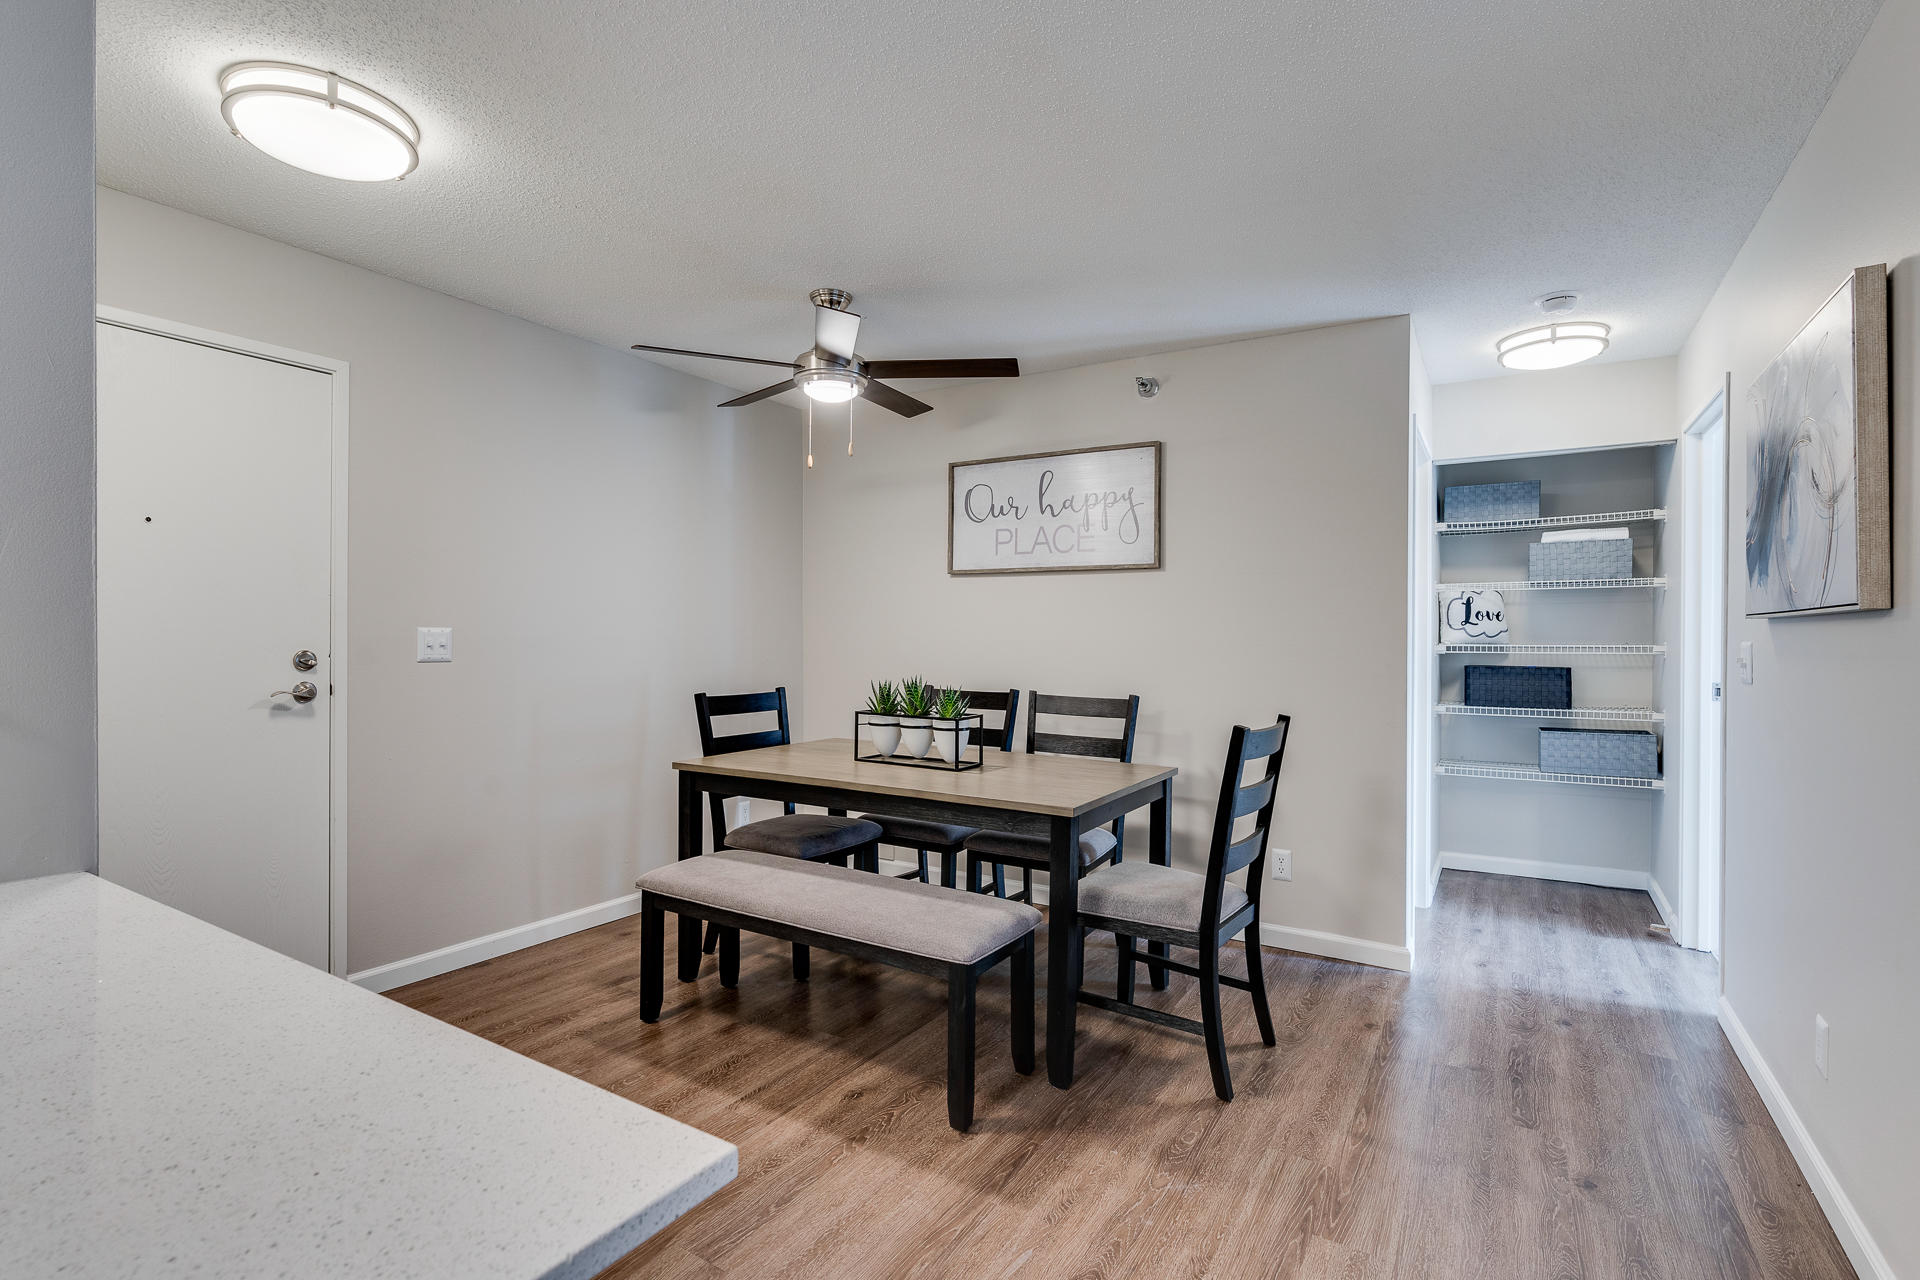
{"points": [[1553, 346], [316, 121]]}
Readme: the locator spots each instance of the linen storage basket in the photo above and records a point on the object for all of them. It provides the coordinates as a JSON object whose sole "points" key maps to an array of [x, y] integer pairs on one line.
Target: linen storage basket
{"points": [[1465, 503], [1591, 559], [1536, 688], [1607, 753]]}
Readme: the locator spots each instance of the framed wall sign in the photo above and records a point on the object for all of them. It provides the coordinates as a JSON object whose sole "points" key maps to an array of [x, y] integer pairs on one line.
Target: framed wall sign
{"points": [[1472, 617], [1055, 512]]}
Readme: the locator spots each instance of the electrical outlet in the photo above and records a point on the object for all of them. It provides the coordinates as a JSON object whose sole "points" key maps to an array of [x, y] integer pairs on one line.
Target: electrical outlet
{"points": [[433, 644], [1820, 1045], [742, 812], [1281, 860]]}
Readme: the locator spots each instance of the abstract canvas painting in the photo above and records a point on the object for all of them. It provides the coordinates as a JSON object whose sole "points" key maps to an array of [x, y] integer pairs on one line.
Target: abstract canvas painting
{"points": [[1818, 538]]}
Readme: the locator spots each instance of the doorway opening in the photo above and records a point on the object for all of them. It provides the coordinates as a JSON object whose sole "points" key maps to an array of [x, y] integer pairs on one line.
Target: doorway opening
{"points": [[1703, 789]]}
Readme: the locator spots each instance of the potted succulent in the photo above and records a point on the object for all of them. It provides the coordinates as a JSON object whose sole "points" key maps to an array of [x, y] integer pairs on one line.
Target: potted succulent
{"points": [[916, 704], [949, 705], [883, 716]]}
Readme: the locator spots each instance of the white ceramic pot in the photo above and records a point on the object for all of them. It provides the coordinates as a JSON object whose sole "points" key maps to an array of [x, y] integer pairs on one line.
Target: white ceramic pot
{"points": [[952, 740], [916, 736], [885, 731]]}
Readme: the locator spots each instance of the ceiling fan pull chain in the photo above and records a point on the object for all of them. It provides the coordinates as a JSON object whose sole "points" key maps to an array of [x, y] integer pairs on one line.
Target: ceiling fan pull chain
{"points": [[809, 435], [849, 428]]}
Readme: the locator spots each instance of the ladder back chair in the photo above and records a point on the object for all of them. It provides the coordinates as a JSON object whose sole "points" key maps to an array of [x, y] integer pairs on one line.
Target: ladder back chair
{"points": [[1099, 846], [946, 838], [1204, 912], [812, 837]]}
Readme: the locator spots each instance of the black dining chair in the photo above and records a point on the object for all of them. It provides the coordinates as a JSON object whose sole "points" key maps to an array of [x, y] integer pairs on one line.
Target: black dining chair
{"points": [[946, 838], [1002, 849], [1203, 912], [815, 837]]}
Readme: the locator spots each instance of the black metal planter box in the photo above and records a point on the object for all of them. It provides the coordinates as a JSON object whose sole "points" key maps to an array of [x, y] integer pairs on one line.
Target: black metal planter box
{"points": [[949, 744]]}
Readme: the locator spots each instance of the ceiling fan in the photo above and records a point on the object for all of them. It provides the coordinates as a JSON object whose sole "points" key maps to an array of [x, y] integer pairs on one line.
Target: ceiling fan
{"points": [[832, 373]]}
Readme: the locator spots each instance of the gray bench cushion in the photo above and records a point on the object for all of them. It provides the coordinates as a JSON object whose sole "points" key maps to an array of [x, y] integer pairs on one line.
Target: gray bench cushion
{"points": [[901, 915], [1152, 894], [803, 835], [917, 833], [1094, 845]]}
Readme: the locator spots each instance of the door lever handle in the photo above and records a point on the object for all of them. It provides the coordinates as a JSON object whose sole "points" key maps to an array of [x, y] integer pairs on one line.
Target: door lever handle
{"points": [[302, 692]]}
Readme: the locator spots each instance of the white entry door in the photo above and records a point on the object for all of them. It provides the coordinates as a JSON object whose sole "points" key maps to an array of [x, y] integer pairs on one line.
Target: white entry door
{"points": [[214, 548]]}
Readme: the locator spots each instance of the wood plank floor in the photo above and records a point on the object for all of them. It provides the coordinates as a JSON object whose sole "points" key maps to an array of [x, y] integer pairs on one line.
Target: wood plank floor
{"points": [[1549, 1097]]}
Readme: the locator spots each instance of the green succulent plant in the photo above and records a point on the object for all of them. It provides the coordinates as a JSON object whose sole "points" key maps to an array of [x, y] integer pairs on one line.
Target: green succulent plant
{"points": [[883, 698], [916, 697], [949, 704]]}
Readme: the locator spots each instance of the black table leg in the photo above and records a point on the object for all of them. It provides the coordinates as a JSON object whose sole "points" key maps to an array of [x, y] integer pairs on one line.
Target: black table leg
{"points": [[690, 827], [1063, 948], [1160, 853]]}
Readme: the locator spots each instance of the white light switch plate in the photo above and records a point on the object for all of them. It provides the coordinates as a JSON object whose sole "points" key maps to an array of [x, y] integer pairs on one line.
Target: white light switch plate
{"points": [[1744, 663], [433, 644], [1820, 1045]]}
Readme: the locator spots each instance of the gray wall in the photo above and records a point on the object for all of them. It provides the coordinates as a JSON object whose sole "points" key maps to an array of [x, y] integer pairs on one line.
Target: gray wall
{"points": [[1285, 589], [1823, 857], [603, 541], [47, 769]]}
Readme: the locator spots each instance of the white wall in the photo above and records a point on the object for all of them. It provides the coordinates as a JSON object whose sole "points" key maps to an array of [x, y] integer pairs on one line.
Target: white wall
{"points": [[1285, 589], [1586, 407], [47, 766], [602, 540], [1823, 861]]}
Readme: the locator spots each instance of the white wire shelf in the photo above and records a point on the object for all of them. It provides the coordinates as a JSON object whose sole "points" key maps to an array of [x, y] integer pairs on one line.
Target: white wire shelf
{"points": [[1528, 773], [1621, 715], [1553, 584], [1551, 522], [1609, 649]]}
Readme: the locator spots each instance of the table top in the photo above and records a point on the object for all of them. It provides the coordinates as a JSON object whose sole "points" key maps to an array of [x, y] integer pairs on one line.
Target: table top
{"points": [[180, 1101], [1059, 786]]}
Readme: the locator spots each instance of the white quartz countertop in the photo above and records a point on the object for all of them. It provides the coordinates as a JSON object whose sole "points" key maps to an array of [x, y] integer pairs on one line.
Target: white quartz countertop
{"points": [[177, 1101]]}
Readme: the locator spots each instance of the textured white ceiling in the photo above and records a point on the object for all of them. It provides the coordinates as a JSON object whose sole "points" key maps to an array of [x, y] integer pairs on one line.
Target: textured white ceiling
{"points": [[1062, 182]]}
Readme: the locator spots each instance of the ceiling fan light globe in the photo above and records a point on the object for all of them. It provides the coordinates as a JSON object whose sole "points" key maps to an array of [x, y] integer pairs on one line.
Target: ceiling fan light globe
{"points": [[829, 386]]}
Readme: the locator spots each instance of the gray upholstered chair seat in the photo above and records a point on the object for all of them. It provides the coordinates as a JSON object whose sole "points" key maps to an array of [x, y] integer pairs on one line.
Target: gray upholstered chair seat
{"points": [[1147, 893], [1032, 850], [901, 915], [803, 835], [917, 833]]}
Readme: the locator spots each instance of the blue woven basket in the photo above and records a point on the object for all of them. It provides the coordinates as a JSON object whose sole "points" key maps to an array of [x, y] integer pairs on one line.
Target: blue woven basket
{"points": [[1607, 753], [1536, 688], [1471, 503], [1586, 560]]}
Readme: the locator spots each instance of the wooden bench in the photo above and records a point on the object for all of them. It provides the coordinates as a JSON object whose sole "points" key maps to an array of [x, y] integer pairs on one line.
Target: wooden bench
{"points": [[919, 927]]}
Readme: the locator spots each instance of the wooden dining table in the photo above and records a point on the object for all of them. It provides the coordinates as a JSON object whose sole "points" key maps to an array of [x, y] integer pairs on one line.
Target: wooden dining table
{"points": [[1056, 797]]}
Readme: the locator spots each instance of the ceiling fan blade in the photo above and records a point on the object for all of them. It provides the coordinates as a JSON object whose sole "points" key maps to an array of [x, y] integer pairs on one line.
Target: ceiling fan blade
{"points": [[1008, 368], [889, 398], [834, 331], [764, 393], [714, 355]]}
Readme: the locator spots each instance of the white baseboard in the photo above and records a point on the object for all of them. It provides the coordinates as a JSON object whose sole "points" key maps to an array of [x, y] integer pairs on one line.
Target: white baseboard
{"points": [[461, 954], [1337, 946], [1334, 946], [1661, 905], [1605, 877], [1841, 1215]]}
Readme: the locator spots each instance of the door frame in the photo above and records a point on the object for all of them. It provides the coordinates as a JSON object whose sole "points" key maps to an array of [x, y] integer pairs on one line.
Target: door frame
{"points": [[336, 588], [1702, 884]]}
